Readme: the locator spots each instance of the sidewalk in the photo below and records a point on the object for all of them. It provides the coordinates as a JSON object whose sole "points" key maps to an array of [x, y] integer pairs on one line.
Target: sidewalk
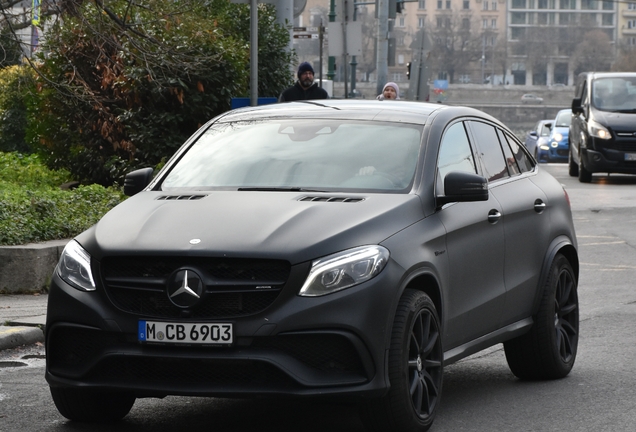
{"points": [[22, 319]]}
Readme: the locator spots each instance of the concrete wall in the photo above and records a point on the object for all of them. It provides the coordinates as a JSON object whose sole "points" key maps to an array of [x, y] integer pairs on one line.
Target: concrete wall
{"points": [[28, 268]]}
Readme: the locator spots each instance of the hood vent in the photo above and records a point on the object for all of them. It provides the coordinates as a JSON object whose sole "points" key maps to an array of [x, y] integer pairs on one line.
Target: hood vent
{"points": [[180, 197], [331, 199]]}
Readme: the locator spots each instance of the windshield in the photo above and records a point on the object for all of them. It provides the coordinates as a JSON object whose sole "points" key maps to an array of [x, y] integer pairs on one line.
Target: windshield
{"points": [[300, 154], [564, 118], [614, 94]]}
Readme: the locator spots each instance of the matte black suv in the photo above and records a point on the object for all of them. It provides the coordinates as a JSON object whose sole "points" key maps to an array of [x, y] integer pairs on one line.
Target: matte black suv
{"points": [[323, 248], [603, 128]]}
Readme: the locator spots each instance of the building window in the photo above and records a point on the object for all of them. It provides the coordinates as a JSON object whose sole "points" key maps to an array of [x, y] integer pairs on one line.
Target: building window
{"points": [[484, 23], [607, 19], [401, 59], [464, 78], [589, 4], [484, 5], [401, 22], [631, 6], [631, 24], [465, 24], [421, 4], [518, 18], [518, 4], [494, 5], [466, 4], [448, 4], [439, 4], [567, 4], [631, 41], [440, 23], [517, 33], [543, 4], [397, 77], [493, 23], [420, 22], [608, 5]]}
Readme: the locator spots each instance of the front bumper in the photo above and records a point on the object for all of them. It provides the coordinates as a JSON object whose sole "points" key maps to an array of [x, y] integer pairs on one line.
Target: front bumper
{"points": [[607, 160], [330, 345]]}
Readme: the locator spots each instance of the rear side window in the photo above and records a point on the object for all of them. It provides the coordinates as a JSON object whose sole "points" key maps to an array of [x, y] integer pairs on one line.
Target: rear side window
{"points": [[523, 161], [490, 151]]}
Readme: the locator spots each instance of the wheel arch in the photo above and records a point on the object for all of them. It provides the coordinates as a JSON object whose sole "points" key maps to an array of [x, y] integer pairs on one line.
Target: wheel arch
{"points": [[564, 246], [428, 283]]}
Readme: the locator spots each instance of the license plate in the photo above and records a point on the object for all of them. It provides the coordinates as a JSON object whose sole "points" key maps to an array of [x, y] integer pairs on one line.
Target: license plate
{"points": [[185, 333], [630, 156]]}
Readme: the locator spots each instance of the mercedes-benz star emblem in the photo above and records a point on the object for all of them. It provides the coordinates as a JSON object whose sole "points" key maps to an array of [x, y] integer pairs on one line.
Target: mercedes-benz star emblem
{"points": [[185, 288]]}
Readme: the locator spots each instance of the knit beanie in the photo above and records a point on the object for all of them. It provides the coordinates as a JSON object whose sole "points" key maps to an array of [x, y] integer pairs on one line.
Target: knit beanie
{"points": [[395, 87], [304, 67]]}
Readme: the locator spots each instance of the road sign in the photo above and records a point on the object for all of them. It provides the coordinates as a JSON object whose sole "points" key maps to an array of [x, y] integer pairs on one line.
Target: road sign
{"points": [[304, 36]]}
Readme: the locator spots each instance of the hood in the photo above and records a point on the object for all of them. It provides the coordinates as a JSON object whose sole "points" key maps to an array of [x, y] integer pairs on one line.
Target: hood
{"points": [[275, 225], [619, 122]]}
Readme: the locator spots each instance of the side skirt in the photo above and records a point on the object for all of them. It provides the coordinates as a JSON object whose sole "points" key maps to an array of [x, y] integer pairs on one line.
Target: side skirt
{"points": [[503, 334]]}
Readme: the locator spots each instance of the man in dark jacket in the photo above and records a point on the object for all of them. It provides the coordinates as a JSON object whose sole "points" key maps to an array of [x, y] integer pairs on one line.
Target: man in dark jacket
{"points": [[305, 88]]}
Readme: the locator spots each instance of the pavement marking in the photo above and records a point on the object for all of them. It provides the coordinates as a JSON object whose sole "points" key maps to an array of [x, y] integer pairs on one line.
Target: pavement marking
{"points": [[603, 243], [610, 268]]}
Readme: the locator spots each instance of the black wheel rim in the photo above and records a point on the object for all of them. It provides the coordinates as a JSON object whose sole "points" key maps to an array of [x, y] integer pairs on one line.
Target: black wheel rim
{"points": [[566, 318], [424, 364]]}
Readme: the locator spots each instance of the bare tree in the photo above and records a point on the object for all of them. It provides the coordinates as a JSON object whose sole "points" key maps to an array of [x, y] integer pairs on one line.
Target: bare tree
{"points": [[456, 42], [595, 52]]}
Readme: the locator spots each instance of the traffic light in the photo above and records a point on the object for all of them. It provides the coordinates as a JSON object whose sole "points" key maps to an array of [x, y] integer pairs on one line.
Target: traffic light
{"points": [[408, 70], [395, 7]]}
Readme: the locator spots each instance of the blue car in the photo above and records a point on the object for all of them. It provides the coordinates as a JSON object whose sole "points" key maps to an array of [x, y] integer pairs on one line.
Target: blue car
{"points": [[538, 136], [558, 145]]}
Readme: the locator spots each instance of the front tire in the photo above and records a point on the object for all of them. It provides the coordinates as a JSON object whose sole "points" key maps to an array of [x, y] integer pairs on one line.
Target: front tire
{"points": [[573, 168], [415, 369], [91, 406], [585, 176], [548, 351]]}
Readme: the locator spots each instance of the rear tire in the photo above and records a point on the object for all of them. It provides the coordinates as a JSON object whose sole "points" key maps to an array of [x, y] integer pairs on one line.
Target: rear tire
{"points": [[548, 351], [415, 370], [91, 406]]}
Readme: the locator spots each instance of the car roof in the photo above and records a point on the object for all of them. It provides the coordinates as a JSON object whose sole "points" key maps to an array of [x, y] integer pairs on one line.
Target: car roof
{"points": [[354, 109]]}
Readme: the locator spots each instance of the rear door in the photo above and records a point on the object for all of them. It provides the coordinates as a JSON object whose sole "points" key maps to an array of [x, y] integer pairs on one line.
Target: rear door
{"points": [[525, 216]]}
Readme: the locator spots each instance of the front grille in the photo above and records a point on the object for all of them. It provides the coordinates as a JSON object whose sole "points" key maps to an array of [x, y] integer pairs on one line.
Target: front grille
{"points": [[233, 287], [177, 373], [323, 351]]}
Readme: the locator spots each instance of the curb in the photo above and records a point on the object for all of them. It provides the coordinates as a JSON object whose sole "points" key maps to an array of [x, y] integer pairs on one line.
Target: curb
{"points": [[11, 337]]}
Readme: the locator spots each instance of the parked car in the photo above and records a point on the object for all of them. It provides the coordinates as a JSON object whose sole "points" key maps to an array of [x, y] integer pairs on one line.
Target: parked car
{"points": [[557, 147], [538, 136], [346, 248], [530, 98], [603, 129]]}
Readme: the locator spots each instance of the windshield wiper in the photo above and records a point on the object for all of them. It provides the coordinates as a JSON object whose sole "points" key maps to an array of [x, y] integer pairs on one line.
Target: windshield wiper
{"points": [[278, 189]]}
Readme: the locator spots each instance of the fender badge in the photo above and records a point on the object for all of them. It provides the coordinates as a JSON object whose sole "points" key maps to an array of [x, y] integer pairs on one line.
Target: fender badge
{"points": [[195, 241]]}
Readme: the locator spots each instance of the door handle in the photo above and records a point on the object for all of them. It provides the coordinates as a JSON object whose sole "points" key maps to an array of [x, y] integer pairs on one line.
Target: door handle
{"points": [[539, 206], [493, 216]]}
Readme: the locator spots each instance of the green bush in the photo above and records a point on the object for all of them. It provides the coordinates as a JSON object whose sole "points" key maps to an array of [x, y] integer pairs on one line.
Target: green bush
{"points": [[16, 85], [34, 209], [124, 84]]}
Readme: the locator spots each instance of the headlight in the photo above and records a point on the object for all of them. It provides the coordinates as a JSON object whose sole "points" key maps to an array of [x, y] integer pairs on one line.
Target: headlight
{"points": [[75, 267], [558, 137], [597, 130], [344, 270]]}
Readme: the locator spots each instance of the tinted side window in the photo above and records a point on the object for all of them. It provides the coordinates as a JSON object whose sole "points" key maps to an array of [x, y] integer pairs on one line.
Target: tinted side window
{"points": [[454, 154], [524, 162], [485, 135]]}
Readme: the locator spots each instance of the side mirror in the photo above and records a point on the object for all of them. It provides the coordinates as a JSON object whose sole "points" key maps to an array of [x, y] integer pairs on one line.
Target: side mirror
{"points": [[576, 106], [534, 134], [463, 187], [136, 181]]}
